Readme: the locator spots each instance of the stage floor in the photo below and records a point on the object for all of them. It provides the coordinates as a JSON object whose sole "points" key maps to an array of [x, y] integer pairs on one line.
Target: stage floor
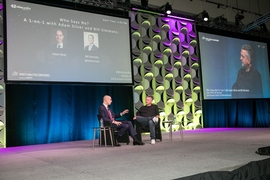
{"points": [[203, 150]]}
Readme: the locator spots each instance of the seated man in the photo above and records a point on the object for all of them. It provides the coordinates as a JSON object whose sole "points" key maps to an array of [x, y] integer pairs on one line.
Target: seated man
{"points": [[107, 115], [148, 116]]}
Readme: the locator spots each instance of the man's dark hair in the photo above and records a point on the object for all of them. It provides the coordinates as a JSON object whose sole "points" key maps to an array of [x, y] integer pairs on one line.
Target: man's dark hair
{"points": [[150, 97]]}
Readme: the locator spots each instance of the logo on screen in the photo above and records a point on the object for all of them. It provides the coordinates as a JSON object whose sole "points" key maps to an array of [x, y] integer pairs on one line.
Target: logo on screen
{"points": [[14, 6], [15, 73], [209, 39]]}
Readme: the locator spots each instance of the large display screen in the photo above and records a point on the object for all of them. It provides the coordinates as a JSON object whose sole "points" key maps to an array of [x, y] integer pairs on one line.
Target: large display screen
{"points": [[52, 44], [233, 68]]}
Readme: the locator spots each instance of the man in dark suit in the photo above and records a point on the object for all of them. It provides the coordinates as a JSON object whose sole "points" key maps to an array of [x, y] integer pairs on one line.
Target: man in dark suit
{"points": [[107, 115], [91, 46]]}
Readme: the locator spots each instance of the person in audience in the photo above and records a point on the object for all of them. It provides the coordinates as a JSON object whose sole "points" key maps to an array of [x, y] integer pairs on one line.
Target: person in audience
{"points": [[107, 115], [249, 82], [91, 46], [148, 115]]}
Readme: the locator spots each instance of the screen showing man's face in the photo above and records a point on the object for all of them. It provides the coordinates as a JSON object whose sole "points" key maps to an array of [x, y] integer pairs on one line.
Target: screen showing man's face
{"points": [[245, 60], [90, 39], [59, 36]]}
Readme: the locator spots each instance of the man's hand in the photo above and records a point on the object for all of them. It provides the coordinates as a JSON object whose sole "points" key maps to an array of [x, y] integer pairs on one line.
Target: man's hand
{"points": [[125, 111], [134, 118], [117, 123]]}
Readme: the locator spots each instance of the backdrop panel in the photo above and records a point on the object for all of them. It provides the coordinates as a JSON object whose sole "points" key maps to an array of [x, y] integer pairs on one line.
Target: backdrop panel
{"points": [[165, 60]]}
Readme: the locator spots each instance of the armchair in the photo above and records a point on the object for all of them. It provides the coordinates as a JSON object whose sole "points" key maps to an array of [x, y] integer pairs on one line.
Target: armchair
{"points": [[141, 129]]}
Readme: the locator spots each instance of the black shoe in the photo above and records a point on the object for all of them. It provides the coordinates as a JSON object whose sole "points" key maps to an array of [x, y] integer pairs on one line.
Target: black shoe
{"points": [[138, 143], [117, 144]]}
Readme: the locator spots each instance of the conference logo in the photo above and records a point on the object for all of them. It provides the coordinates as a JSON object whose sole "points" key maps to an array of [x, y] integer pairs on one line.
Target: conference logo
{"points": [[14, 6], [209, 39], [15, 73]]}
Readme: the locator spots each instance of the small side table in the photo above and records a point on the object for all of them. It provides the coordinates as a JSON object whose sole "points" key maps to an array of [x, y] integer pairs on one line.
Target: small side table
{"points": [[170, 122]]}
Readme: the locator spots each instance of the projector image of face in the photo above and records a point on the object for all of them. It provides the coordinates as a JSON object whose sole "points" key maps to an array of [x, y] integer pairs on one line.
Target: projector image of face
{"points": [[91, 43], [248, 83], [59, 36]]}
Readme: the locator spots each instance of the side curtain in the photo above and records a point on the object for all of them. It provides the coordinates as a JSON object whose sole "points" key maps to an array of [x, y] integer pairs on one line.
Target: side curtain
{"points": [[242, 113]]}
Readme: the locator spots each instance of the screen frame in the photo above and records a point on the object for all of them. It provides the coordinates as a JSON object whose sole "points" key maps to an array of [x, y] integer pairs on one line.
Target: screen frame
{"points": [[73, 7], [230, 34]]}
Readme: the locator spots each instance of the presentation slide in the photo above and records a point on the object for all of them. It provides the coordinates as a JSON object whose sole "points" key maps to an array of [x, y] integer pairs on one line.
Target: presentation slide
{"points": [[52, 44], [233, 68]]}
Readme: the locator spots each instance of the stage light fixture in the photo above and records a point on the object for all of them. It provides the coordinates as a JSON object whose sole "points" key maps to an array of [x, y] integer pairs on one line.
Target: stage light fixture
{"points": [[205, 15], [168, 8], [127, 3], [144, 3], [221, 19], [202, 16], [263, 27], [238, 17]]}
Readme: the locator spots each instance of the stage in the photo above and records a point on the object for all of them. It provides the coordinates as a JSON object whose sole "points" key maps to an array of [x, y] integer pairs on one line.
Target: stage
{"points": [[200, 151]]}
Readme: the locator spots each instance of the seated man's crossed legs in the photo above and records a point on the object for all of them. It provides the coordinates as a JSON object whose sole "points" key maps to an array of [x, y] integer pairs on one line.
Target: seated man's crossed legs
{"points": [[151, 122], [122, 127]]}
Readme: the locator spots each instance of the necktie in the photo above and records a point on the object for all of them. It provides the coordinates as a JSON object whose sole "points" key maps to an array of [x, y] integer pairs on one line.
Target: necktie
{"points": [[110, 114]]}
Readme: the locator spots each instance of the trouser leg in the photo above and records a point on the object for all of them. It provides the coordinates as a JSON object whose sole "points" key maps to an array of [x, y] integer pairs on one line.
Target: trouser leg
{"points": [[152, 129], [131, 130], [148, 121], [121, 128]]}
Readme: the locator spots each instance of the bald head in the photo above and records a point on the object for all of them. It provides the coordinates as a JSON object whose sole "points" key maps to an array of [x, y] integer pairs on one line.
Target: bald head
{"points": [[107, 100]]}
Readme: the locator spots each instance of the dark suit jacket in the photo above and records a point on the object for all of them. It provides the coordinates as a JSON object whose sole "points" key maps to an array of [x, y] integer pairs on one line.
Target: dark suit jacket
{"points": [[103, 112], [94, 48], [54, 46]]}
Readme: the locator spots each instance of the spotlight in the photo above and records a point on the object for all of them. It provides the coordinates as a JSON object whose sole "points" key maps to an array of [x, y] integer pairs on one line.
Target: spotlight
{"points": [[221, 19], [168, 8], [127, 3], [238, 17], [144, 3], [205, 15], [263, 27]]}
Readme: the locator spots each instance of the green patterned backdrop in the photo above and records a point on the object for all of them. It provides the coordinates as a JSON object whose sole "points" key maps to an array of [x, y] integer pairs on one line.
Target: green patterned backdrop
{"points": [[165, 63], [2, 85]]}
